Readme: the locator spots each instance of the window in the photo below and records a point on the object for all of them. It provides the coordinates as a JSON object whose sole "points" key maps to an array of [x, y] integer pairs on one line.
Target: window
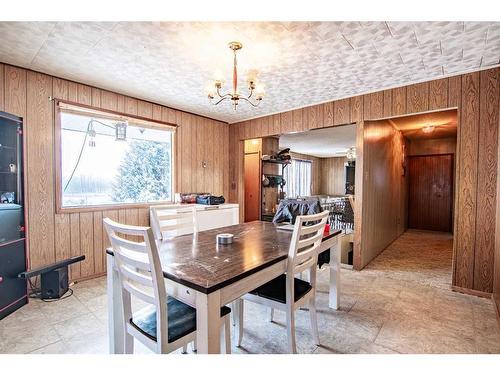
{"points": [[107, 159], [298, 179]]}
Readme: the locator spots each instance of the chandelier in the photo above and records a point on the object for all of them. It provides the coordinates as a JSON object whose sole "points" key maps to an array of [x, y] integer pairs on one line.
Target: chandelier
{"points": [[255, 91]]}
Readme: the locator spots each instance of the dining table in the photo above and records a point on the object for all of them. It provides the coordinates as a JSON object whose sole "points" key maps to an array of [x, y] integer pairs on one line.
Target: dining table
{"points": [[206, 275]]}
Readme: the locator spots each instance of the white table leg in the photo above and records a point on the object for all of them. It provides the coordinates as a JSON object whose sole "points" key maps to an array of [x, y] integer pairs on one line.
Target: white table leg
{"points": [[334, 295], [208, 322], [115, 306], [238, 306]]}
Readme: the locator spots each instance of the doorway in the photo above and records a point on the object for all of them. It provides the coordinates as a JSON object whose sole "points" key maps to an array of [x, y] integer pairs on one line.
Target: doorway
{"points": [[315, 165], [409, 192], [252, 186], [430, 191]]}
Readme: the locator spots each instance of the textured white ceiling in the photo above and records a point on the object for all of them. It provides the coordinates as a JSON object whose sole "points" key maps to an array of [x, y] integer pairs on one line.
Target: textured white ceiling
{"points": [[322, 143], [300, 63]]}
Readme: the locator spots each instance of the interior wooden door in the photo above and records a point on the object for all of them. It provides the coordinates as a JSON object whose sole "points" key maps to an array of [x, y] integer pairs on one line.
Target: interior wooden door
{"points": [[252, 186], [430, 192]]}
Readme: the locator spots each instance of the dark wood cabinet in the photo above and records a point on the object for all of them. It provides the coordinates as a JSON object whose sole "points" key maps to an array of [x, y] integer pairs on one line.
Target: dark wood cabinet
{"points": [[13, 290]]}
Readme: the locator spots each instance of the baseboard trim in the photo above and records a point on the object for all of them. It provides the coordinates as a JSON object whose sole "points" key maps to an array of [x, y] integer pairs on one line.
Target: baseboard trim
{"points": [[89, 277], [471, 292], [496, 303]]}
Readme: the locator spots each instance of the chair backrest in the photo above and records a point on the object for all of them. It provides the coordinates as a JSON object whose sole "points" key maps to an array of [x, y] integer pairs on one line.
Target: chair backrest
{"points": [[306, 239], [172, 221], [140, 273]]}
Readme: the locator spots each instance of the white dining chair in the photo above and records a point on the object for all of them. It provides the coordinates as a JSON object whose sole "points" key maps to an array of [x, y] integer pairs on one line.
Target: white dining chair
{"points": [[166, 324], [169, 221], [286, 292]]}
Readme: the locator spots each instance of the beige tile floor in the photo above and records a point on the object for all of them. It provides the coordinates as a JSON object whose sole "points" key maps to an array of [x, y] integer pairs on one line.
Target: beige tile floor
{"points": [[401, 303]]}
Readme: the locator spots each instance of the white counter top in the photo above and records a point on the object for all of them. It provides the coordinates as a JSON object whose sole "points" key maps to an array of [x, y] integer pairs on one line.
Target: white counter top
{"points": [[202, 207]]}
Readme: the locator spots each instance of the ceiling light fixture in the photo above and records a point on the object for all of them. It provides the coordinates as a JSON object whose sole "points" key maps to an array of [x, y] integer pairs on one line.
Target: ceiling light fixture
{"points": [[351, 154], [235, 96], [428, 129]]}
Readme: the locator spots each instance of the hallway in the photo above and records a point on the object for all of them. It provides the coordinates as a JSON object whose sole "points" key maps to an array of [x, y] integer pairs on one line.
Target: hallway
{"points": [[422, 257]]}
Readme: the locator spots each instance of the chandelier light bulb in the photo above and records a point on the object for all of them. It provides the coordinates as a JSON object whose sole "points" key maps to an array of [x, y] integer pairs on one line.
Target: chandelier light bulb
{"points": [[252, 77], [210, 89], [260, 91], [218, 77]]}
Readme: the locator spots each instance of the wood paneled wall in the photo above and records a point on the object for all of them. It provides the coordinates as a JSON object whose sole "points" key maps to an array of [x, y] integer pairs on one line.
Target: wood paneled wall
{"points": [[333, 176], [476, 96], [487, 85], [53, 236], [384, 193], [496, 281]]}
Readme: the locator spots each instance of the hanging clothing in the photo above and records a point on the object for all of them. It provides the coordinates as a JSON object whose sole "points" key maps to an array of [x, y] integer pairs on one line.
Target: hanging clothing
{"points": [[289, 209]]}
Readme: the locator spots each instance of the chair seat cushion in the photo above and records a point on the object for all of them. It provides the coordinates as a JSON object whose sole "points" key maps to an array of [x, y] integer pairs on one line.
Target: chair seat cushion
{"points": [[276, 289], [181, 319]]}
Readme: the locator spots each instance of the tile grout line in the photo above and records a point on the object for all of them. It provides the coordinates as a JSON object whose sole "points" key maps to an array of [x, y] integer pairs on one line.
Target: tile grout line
{"points": [[46, 345]]}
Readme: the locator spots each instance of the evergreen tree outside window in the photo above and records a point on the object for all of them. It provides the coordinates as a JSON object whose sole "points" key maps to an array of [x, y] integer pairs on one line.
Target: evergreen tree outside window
{"points": [[99, 169]]}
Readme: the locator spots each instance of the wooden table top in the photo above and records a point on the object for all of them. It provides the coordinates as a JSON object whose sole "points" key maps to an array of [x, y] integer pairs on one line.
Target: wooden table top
{"points": [[200, 263]]}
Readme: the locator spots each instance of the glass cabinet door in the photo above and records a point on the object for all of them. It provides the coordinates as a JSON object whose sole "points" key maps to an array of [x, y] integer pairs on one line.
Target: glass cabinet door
{"points": [[10, 161]]}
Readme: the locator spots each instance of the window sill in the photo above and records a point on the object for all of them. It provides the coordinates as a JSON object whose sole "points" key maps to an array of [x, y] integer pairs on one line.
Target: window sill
{"points": [[108, 207]]}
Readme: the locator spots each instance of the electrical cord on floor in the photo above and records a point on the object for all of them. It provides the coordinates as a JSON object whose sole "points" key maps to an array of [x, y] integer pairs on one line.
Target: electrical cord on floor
{"points": [[36, 292]]}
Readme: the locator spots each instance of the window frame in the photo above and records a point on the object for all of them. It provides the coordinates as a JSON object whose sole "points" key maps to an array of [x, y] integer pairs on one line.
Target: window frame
{"points": [[310, 162], [109, 114]]}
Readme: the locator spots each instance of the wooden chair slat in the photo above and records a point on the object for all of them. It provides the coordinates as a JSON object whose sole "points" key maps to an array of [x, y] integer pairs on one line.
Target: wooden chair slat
{"points": [[127, 244], [139, 293], [168, 221], [136, 276]]}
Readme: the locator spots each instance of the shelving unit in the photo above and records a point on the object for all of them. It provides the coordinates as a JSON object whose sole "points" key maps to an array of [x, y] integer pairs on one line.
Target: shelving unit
{"points": [[13, 290], [270, 195]]}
